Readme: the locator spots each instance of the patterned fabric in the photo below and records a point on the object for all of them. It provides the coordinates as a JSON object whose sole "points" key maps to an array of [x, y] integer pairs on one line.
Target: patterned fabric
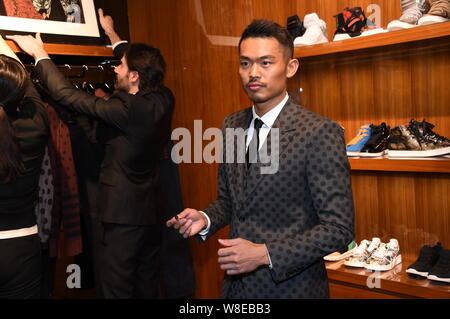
{"points": [[302, 212], [21, 9], [66, 211], [45, 202], [46, 6]]}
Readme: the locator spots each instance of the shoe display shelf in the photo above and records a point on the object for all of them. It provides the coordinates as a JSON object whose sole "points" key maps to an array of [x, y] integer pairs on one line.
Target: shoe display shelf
{"points": [[69, 49], [389, 77], [356, 283], [424, 165], [377, 40], [359, 48]]}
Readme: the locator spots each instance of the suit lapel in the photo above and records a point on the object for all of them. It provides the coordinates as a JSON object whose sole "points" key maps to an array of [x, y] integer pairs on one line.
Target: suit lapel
{"points": [[286, 123], [240, 169]]}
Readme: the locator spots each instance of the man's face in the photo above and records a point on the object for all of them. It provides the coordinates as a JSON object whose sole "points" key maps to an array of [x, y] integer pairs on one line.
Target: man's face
{"points": [[122, 76], [264, 68]]}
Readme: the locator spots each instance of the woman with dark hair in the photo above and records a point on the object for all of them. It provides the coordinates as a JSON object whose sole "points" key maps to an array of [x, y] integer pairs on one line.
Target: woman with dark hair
{"points": [[24, 132]]}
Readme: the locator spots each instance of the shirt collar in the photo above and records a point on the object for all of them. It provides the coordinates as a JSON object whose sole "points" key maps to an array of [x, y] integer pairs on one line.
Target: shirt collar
{"points": [[270, 117]]}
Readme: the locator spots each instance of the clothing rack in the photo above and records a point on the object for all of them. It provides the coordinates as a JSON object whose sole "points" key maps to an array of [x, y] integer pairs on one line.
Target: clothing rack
{"points": [[104, 66]]}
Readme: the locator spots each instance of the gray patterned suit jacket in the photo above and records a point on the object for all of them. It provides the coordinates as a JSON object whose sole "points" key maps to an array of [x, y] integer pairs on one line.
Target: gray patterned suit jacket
{"points": [[302, 212]]}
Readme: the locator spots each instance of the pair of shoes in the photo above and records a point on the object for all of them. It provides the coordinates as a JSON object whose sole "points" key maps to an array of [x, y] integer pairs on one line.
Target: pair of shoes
{"points": [[421, 12], [371, 141], [433, 263], [375, 255], [417, 139], [343, 253], [352, 22], [316, 31]]}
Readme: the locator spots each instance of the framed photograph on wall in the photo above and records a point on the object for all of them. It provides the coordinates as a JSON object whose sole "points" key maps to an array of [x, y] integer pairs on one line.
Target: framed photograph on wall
{"points": [[64, 17], [62, 21]]}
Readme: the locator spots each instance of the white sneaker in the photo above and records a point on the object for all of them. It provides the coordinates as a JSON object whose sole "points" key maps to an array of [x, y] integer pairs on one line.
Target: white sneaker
{"points": [[336, 256], [316, 31], [363, 253], [386, 257]]}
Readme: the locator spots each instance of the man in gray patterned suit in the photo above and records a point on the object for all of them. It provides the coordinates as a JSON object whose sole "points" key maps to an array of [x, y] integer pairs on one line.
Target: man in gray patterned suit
{"points": [[281, 224]]}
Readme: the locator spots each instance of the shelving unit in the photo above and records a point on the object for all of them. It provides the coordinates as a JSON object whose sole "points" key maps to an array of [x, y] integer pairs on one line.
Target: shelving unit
{"points": [[375, 41], [387, 77], [396, 283], [73, 50], [424, 165]]}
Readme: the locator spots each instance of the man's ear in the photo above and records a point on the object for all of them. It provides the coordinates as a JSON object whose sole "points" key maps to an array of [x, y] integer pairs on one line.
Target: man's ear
{"points": [[134, 76], [292, 68]]}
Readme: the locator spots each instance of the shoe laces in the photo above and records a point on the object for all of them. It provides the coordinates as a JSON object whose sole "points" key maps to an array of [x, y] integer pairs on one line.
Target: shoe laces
{"points": [[428, 133], [415, 12], [380, 252], [359, 137], [373, 245], [361, 248]]}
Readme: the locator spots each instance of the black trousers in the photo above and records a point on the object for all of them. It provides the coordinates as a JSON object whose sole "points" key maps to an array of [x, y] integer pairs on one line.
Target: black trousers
{"points": [[129, 261], [20, 268]]}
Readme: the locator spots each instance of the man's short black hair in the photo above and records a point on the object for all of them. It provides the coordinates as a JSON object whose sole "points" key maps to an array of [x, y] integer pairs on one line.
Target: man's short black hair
{"points": [[149, 63], [269, 29]]}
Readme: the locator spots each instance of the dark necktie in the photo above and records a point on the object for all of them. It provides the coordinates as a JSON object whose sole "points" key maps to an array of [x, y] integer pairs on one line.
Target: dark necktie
{"points": [[253, 147]]}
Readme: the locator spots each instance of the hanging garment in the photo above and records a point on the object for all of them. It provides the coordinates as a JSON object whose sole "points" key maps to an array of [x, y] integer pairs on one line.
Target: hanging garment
{"points": [[45, 201], [178, 278], [66, 212]]}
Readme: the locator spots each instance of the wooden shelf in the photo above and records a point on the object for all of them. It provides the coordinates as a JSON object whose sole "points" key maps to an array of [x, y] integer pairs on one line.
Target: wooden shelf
{"points": [[395, 282], [68, 49], [425, 165], [377, 40]]}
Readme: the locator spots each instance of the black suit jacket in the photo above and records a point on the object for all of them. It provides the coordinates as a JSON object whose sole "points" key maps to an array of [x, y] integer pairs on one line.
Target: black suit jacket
{"points": [[302, 212], [137, 128]]}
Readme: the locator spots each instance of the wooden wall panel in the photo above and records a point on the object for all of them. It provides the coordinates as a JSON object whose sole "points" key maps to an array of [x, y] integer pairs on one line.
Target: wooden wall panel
{"points": [[373, 85]]}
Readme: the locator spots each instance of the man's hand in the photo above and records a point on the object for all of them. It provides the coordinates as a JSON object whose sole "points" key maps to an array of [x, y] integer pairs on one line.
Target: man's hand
{"points": [[31, 45], [107, 24], [189, 222], [241, 256]]}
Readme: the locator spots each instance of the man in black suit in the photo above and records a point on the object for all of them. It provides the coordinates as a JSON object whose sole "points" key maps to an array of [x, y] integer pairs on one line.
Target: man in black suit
{"points": [[138, 126], [286, 216]]}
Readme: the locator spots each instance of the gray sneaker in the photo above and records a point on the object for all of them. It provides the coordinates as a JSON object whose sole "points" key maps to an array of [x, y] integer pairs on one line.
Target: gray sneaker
{"points": [[412, 10]]}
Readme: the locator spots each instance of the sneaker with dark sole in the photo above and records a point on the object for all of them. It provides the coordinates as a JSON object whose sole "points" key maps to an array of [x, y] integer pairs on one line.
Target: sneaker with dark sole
{"points": [[441, 271], [428, 257]]}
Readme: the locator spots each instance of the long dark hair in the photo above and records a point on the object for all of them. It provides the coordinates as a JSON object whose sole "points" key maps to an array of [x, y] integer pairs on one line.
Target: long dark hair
{"points": [[13, 78]]}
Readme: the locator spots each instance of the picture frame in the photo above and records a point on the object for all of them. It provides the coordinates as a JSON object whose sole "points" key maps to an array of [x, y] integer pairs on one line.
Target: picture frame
{"points": [[117, 9], [84, 21]]}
